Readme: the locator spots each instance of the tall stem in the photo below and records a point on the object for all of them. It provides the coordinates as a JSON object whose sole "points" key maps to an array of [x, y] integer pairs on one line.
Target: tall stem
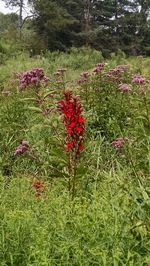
{"points": [[147, 110]]}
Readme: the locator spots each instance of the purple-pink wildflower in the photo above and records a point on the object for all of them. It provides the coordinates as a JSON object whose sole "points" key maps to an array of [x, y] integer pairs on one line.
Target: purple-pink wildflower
{"points": [[115, 72], [119, 143], [139, 80], [32, 78], [125, 87], [84, 78], [85, 75], [82, 81], [99, 68], [22, 148]]}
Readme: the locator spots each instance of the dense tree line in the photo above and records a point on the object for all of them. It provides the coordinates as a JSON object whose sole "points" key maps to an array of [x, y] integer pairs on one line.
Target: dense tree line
{"points": [[107, 25]]}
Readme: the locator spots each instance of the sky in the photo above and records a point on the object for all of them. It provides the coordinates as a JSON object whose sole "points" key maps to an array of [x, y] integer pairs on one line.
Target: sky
{"points": [[5, 10]]}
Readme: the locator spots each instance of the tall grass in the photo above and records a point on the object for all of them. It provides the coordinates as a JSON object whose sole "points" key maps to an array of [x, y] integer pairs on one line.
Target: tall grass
{"points": [[107, 223]]}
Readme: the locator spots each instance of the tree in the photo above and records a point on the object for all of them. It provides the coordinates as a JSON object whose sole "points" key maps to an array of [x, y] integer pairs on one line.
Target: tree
{"points": [[21, 5], [120, 24], [54, 23], [8, 21], [143, 21], [106, 25]]}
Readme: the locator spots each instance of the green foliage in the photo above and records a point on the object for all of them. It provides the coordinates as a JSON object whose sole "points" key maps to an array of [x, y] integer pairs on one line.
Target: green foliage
{"points": [[105, 25], [107, 226], [107, 222]]}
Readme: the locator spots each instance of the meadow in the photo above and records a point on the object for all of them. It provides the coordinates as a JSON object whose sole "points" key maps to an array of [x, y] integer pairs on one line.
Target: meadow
{"points": [[75, 159]]}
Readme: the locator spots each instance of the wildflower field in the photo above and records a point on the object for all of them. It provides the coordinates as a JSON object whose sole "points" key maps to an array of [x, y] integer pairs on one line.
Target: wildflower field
{"points": [[75, 160]]}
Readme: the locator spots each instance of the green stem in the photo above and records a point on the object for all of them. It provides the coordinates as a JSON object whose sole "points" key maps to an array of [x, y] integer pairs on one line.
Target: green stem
{"points": [[147, 110]]}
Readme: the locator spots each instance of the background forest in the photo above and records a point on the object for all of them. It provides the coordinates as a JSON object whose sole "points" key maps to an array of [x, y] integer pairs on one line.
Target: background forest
{"points": [[106, 25]]}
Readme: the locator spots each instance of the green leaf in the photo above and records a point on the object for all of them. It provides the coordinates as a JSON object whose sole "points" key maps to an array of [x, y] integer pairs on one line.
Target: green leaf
{"points": [[36, 109], [28, 99], [48, 94], [81, 170], [59, 174], [59, 154], [144, 193]]}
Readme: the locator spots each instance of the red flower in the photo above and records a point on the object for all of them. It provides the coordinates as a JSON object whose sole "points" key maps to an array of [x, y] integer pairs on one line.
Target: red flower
{"points": [[79, 129], [69, 131], [73, 124], [70, 145], [73, 120], [81, 120], [39, 187], [81, 147]]}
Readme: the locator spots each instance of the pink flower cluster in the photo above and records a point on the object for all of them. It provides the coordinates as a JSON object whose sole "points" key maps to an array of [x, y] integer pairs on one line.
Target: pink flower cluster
{"points": [[139, 80], [119, 143], [125, 88], [99, 68], [85, 75], [116, 72], [32, 78], [22, 148], [84, 78]]}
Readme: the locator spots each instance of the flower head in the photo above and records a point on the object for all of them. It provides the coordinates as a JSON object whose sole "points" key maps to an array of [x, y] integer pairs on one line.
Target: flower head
{"points": [[22, 148], [32, 78], [85, 75], [125, 88], [139, 79], [115, 73], [99, 68], [84, 78], [119, 143], [74, 121], [39, 186]]}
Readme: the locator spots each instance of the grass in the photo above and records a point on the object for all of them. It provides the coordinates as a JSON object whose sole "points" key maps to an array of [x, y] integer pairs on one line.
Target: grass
{"points": [[106, 226], [108, 221]]}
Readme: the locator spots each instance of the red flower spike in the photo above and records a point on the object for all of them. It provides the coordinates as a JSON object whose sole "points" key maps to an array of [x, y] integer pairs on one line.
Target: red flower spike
{"points": [[74, 121]]}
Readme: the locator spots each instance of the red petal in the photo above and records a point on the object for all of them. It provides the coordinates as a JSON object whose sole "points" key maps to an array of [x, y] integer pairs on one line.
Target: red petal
{"points": [[81, 119], [79, 129], [70, 145], [81, 147]]}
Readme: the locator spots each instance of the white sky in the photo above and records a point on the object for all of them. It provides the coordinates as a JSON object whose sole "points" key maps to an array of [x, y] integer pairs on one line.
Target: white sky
{"points": [[5, 10]]}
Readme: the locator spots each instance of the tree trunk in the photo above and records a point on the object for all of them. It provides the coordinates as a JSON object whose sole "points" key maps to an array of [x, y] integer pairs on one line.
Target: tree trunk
{"points": [[20, 18], [87, 17]]}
